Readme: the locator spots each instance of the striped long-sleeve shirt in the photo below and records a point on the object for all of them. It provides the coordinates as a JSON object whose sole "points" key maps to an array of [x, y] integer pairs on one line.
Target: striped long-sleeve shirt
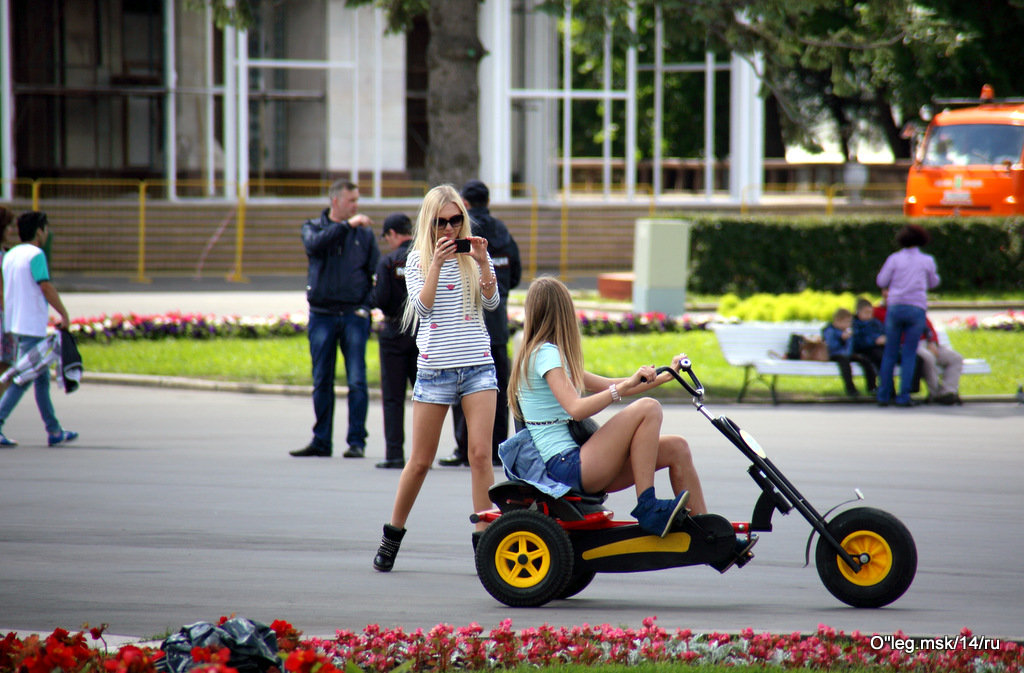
{"points": [[448, 336]]}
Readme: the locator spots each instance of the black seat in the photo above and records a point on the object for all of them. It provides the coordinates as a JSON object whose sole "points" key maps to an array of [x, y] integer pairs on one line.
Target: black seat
{"points": [[573, 506]]}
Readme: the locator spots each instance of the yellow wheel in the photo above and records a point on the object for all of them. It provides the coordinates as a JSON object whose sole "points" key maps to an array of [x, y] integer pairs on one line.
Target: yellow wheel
{"points": [[881, 545], [872, 551], [524, 558]]}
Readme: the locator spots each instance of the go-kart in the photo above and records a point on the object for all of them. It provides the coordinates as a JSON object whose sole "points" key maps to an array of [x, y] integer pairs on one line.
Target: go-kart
{"points": [[537, 548]]}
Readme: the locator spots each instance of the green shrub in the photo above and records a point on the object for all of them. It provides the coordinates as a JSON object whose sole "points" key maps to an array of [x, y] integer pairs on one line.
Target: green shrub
{"points": [[745, 255], [807, 305]]}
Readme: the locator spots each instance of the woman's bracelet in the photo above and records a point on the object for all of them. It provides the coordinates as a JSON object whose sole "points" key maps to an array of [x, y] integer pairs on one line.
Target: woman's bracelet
{"points": [[489, 284], [615, 393]]}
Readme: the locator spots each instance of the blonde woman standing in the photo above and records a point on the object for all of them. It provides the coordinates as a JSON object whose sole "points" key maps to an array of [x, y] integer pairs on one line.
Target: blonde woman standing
{"points": [[448, 292]]}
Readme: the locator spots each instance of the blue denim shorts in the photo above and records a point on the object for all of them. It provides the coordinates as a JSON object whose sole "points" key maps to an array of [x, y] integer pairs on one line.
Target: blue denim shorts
{"points": [[565, 468], [448, 386]]}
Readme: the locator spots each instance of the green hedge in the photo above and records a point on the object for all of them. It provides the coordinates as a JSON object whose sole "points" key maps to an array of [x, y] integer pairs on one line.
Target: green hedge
{"points": [[777, 255]]}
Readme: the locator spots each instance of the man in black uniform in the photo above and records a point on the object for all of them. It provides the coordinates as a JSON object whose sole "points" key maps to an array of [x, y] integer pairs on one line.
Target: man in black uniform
{"points": [[508, 269], [398, 350]]}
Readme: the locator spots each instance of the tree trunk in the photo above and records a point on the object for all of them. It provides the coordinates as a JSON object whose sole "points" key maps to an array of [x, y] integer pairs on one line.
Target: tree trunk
{"points": [[453, 54], [899, 145]]}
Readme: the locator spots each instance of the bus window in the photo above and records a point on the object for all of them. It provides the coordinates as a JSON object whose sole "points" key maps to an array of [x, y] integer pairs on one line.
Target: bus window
{"points": [[974, 144]]}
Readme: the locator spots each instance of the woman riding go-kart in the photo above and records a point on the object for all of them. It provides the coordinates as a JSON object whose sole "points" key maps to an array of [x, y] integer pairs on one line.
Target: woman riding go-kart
{"points": [[550, 533]]}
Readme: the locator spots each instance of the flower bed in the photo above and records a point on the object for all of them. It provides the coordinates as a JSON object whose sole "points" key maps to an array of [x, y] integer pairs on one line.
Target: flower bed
{"points": [[196, 326], [469, 648], [592, 323], [184, 325], [1012, 321]]}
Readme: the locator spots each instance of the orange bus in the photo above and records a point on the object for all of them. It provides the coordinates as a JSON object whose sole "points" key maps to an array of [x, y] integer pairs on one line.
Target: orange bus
{"points": [[971, 160]]}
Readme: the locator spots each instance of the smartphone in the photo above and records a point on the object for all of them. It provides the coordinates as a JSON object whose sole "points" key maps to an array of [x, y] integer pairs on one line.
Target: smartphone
{"points": [[462, 245]]}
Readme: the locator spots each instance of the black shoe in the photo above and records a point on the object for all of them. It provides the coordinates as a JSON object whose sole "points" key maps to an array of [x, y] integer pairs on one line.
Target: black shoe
{"points": [[388, 550], [907, 404], [741, 554], [391, 464], [354, 452], [310, 450], [948, 399], [454, 460], [476, 539]]}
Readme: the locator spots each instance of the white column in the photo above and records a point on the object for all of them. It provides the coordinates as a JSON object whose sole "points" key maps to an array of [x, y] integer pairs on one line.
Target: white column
{"points": [[494, 81], [746, 142], [242, 112], [170, 107], [210, 169], [540, 118], [7, 172], [356, 131], [606, 87], [567, 101], [709, 124], [378, 101], [631, 116], [659, 98], [229, 116]]}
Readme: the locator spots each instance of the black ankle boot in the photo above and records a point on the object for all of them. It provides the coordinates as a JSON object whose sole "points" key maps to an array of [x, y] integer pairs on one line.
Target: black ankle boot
{"points": [[389, 544]]}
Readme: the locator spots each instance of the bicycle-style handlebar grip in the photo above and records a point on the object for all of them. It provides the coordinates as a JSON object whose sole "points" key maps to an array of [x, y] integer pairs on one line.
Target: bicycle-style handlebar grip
{"points": [[696, 389]]}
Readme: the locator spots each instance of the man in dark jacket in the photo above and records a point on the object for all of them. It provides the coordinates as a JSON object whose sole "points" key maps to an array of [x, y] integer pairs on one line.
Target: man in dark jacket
{"points": [[398, 350], [342, 252], [508, 269]]}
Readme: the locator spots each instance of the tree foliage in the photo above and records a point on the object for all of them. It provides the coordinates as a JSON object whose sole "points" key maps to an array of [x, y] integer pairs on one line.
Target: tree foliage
{"points": [[864, 66]]}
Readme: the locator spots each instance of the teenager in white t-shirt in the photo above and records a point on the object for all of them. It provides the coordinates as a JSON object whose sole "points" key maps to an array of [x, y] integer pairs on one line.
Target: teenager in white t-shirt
{"points": [[28, 294]]}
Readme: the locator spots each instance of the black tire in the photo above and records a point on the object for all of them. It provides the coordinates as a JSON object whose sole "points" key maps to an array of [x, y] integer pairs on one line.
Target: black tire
{"points": [[888, 552], [577, 583], [524, 559]]}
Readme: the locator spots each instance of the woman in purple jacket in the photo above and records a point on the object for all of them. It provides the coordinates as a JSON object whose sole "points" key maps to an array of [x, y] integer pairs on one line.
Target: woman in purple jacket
{"points": [[908, 274]]}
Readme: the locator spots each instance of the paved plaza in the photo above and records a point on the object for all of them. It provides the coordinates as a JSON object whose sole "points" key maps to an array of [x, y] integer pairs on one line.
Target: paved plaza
{"points": [[178, 506]]}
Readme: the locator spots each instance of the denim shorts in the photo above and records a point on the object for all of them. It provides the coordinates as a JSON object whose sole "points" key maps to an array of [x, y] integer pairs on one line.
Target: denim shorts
{"points": [[565, 468], [448, 386]]}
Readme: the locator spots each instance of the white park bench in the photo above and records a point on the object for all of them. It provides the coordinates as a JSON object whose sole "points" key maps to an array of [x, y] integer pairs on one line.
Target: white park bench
{"points": [[760, 348]]}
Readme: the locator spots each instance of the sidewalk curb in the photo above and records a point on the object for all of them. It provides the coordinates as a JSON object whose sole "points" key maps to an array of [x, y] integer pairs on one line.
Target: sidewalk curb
{"points": [[184, 383]]}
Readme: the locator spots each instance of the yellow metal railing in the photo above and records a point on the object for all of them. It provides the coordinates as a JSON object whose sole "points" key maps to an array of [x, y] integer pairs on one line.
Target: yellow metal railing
{"points": [[99, 227], [826, 194], [138, 228]]}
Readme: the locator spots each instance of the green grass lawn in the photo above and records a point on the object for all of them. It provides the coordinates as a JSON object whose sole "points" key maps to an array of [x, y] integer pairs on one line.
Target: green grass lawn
{"points": [[286, 360]]}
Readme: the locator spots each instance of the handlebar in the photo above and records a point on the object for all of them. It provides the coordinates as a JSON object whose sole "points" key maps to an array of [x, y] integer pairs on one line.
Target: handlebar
{"points": [[697, 389]]}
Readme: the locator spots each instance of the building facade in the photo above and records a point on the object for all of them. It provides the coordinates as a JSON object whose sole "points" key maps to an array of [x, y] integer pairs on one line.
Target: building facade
{"points": [[313, 90]]}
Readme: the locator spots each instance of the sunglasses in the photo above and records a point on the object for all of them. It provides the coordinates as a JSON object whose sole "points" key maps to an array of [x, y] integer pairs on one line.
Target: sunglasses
{"points": [[454, 220]]}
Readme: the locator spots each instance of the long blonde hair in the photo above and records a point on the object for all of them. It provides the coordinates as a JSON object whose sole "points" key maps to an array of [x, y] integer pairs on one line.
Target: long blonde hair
{"points": [[550, 316], [425, 239]]}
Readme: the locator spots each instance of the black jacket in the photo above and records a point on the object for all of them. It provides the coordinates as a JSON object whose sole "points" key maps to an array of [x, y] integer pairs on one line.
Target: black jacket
{"points": [[342, 260], [507, 268], [390, 293]]}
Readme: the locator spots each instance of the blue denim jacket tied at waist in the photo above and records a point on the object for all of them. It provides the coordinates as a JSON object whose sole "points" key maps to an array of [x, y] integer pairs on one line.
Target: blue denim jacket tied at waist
{"points": [[523, 462]]}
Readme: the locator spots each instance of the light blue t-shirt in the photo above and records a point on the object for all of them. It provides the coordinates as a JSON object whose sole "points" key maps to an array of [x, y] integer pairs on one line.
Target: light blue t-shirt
{"points": [[539, 404]]}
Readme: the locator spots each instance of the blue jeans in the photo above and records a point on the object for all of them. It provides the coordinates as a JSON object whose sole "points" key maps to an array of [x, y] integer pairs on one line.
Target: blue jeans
{"points": [[449, 386], [42, 387], [328, 333], [904, 325]]}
